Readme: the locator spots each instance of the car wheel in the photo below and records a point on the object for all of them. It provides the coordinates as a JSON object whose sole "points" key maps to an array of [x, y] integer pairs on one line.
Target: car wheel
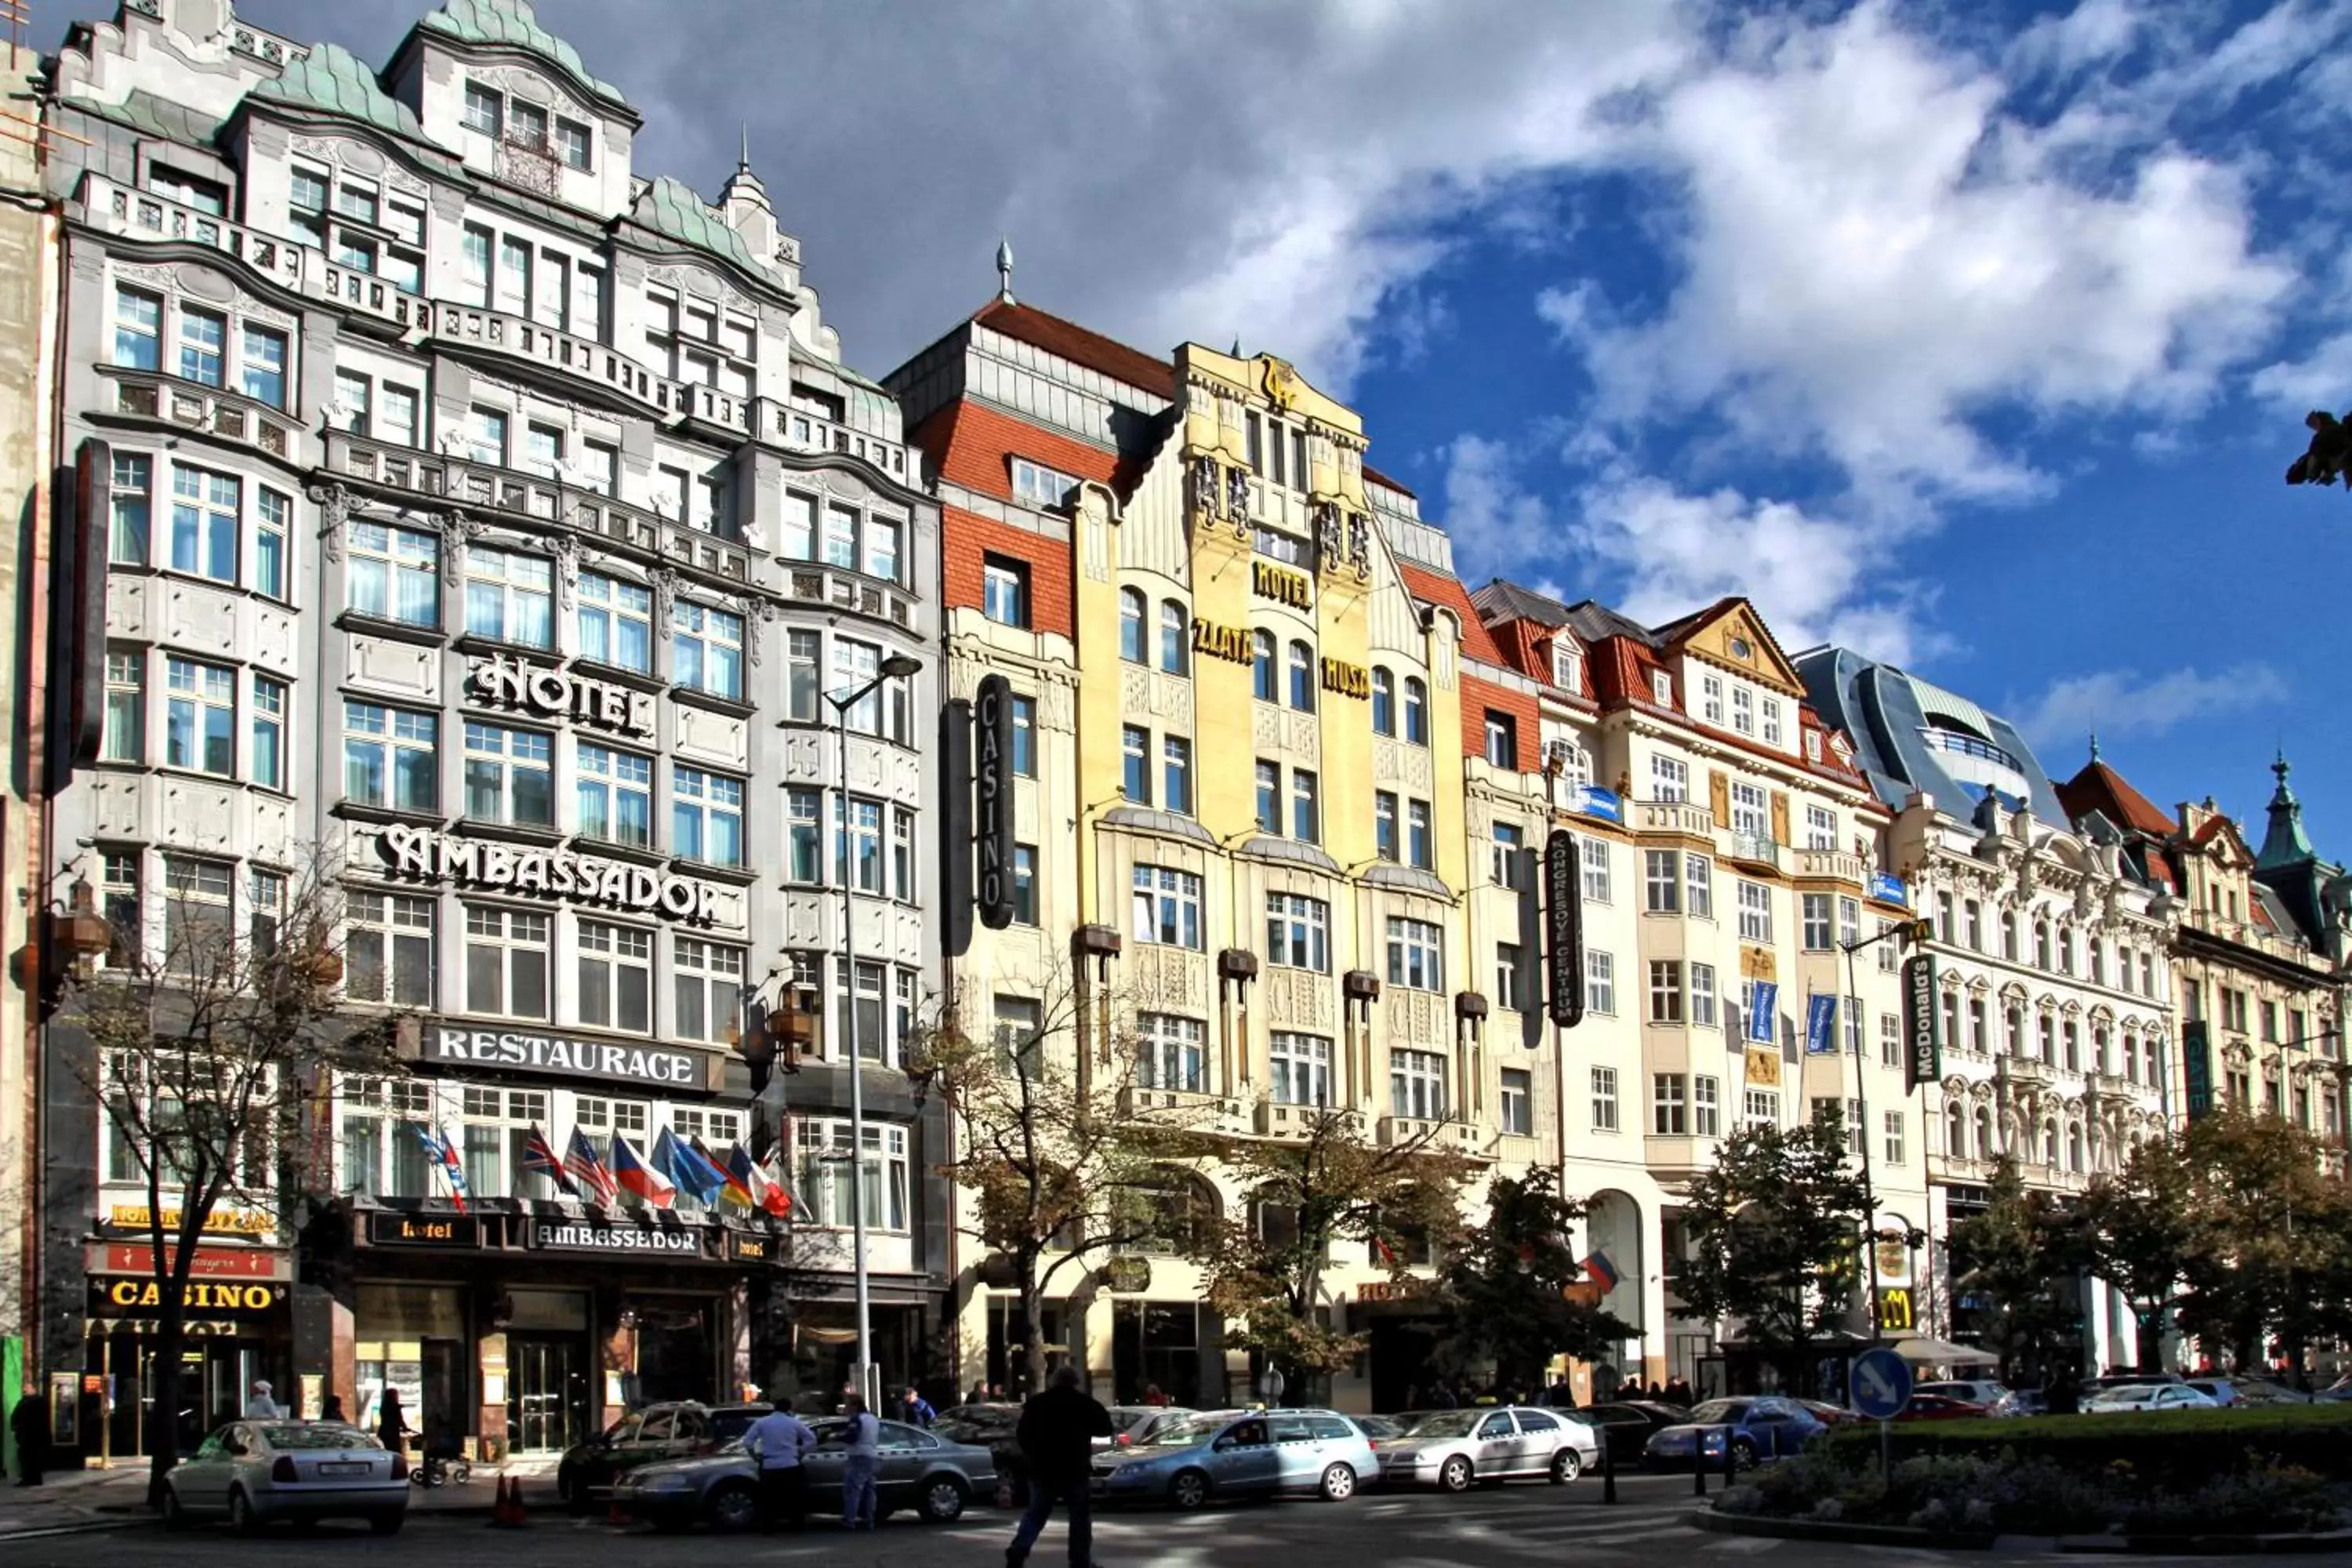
{"points": [[1566, 1464], [1339, 1483], [1190, 1489], [387, 1523], [943, 1502], [734, 1507], [174, 1515], [1456, 1475], [1743, 1454], [241, 1517]]}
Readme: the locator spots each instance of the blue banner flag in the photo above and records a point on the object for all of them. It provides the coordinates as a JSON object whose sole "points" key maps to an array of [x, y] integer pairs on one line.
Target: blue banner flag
{"points": [[1764, 997], [1820, 1025]]}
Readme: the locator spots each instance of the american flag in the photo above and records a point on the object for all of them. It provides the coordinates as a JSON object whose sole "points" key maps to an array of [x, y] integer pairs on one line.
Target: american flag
{"points": [[595, 1179], [540, 1160]]}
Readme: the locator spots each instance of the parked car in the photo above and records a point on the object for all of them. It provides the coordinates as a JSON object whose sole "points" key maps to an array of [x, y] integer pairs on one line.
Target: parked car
{"points": [[933, 1475], [1940, 1407], [1993, 1396], [252, 1473], [1456, 1449], [2030, 1401], [672, 1429], [2149, 1397], [993, 1426], [1260, 1452], [1758, 1427], [1380, 1428], [2125, 1380], [1822, 1411], [2249, 1391], [1131, 1423], [1625, 1424]]}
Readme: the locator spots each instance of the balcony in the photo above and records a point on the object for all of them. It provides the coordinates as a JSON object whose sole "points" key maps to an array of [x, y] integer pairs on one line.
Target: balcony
{"points": [[1178, 1108], [2109, 1086], [806, 432], [1673, 816], [1437, 1137], [1830, 865], [2028, 1071], [817, 585], [1276, 1120], [1755, 849], [145, 394]]}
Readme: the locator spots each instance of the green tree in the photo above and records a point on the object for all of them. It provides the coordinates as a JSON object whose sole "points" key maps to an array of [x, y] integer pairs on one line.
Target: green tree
{"points": [[1326, 1187], [2266, 1223], [1512, 1283], [2022, 1259], [2138, 1231], [1774, 1228]]}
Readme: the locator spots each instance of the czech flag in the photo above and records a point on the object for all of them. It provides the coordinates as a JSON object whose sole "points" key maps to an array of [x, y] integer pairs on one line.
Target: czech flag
{"points": [[443, 1155], [743, 1180], [634, 1176], [580, 1158], [540, 1160]]}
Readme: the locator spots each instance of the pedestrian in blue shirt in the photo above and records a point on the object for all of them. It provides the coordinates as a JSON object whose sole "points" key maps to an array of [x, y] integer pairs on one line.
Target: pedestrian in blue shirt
{"points": [[917, 1411], [780, 1441], [864, 1441]]}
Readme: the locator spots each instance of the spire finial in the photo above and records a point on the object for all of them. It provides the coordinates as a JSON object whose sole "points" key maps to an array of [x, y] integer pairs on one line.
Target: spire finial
{"points": [[1004, 270], [2094, 745], [745, 161], [1237, 346]]}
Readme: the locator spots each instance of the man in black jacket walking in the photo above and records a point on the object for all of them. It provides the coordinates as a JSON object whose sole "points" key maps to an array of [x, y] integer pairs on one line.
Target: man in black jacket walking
{"points": [[1056, 1435]]}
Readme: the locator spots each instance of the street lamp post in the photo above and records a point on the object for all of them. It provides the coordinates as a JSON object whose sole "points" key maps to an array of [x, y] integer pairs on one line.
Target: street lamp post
{"points": [[897, 667], [1912, 930]]}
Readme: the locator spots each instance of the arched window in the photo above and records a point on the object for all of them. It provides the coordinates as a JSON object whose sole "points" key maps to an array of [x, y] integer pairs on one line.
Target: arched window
{"points": [[1383, 701], [2014, 1021], [2041, 944], [1302, 677], [1956, 1131], [1172, 636], [1131, 625], [2075, 1146], [2050, 1144], [1175, 1209], [1416, 711], [1984, 1133], [1266, 685]]}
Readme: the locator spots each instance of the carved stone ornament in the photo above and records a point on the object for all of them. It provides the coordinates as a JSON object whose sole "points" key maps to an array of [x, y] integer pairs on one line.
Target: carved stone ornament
{"points": [[334, 504], [1206, 491], [665, 593], [755, 611], [1327, 531], [567, 567], [1237, 496], [1359, 546]]}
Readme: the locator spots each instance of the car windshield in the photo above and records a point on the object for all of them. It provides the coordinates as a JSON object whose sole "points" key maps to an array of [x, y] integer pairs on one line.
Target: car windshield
{"points": [[727, 1424], [1183, 1435], [1718, 1410], [2122, 1393], [315, 1434], [1449, 1423]]}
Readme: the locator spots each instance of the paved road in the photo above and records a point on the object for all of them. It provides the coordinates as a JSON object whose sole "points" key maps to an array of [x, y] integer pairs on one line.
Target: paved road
{"points": [[1517, 1527]]}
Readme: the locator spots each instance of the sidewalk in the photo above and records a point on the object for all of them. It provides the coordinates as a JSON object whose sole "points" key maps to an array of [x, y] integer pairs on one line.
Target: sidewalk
{"points": [[72, 1501]]}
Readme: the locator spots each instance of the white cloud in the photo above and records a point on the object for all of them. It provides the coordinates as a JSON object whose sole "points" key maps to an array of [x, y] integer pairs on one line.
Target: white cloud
{"points": [[1490, 517], [2119, 703]]}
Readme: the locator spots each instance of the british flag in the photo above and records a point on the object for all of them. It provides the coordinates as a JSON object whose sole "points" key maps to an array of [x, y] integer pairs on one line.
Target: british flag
{"points": [[540, 1160]]}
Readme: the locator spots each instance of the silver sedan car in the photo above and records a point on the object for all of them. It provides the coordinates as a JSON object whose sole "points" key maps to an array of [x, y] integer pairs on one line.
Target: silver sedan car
{"points": [[1456, 1449], [918, 1470], [1239, 1454], [252, 1472]]}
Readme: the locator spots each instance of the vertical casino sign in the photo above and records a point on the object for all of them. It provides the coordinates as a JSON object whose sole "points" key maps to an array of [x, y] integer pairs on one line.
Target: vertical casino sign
{"points": [[991, 715]]}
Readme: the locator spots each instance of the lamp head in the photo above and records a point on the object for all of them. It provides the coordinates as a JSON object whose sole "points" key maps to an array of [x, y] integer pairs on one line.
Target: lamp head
{"points": [[899, 665]]}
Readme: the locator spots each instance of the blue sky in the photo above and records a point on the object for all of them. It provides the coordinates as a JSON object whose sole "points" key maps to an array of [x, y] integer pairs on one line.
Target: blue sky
{"points": [[1978, 336]]}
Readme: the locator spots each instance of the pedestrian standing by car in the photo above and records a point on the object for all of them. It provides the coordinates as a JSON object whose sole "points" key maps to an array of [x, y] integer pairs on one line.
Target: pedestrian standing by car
{"points": [[331, 1408], [979, 1394], [263, 1405], [917, 1410], [864, 1455], [392, 1427], [1057, 1433], [780, 1440]]}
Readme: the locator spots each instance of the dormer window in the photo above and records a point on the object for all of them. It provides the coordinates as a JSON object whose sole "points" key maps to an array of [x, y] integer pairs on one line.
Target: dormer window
{"points": [[1041, 487], [1813, 747], [526, 123], [1662, 686], [571, 140], [1567, 666]]}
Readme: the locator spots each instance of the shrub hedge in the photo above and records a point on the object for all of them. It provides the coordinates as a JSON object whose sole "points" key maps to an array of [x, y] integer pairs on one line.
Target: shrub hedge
{"points": [[2168, 1447]]}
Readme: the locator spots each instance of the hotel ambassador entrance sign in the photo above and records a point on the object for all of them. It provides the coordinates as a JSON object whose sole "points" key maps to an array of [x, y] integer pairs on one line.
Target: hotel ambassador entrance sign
{"points": [[428, 854]]}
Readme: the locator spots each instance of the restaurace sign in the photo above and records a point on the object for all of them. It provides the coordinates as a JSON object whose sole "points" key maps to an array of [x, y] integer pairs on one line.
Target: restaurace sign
{"points": [[428, 854], [510, 683], [653, 1067]]}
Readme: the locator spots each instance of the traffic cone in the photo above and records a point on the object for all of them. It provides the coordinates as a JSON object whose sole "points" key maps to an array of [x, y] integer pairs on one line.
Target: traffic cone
{"points": [[521, 1514], [500, 1518], [616, 1516]]}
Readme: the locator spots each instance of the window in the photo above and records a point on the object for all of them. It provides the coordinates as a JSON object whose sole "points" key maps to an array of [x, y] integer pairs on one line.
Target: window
{"points": [[1517, 1103], [1592, 862], [1979, 1039], [1264, 680], [1772, 721], [571, 143], [1302, 1069], [706, 816], [269, 764], [138, 329], [1815, 909], [1669, 779], [1889, 954], [508, 775], [708, 979], [197, 922], [1763, 1107], [1502, 740], [264, 378], [391, 757], [1894, 1125], [1605, 1100], [200, 717], [506, 963], [1135, 767], [2041, 944], [1567, 666], [616, 622], [126, 705], [1416, 1084], [1972, 925], [1702, 996], [1384, 824], [388, 949], [484, 109], [204, 337], [1510, 970], [1383, 701], [1297, 932], [1131, 625], [1754, 912], [615, 795], [1269, 798], [1748, 810], [1416, 958], [1167, 907], [1698, 883], [1665, 991], [1176, 774], [1172, 636], [1041, 486], [1710, 697], [129, 497], [1820, 827], [273, 513], [394, 575], [615, 977], [1662, 688], [1004, 590], [1024, 884], [902, 853], [122, 905], [1306, 811], [1416, 711], [1600, 981], [1419, 843], [1706, 1097], [2009, 936], [1662, 879], [827, 1169], [707, 650], [1024, 737], [1302, 677], [1169, 1053], [511, 596], [1669, 1116], [204, 511], [805, 831]]}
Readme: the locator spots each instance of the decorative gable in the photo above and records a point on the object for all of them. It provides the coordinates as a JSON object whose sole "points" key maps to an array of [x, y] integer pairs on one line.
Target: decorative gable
{"points": [[1732, 634]]}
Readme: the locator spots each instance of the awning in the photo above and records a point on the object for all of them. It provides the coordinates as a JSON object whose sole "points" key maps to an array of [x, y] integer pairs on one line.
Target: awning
{"points": [[1941, 1352]]}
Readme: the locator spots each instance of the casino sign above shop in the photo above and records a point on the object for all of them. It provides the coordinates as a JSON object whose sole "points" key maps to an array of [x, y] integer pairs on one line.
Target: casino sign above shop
{"points": [[428, 854]]}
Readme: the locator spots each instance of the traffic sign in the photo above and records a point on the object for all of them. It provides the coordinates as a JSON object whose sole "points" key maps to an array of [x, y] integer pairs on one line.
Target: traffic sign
{"points": [[1880, 1384]]}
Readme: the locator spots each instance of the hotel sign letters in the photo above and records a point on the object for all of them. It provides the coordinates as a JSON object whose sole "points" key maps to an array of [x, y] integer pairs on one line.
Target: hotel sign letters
{"points": [[1282, 585], [429, 856], [653, 1067], [1348, 679], [1231, 644], [591, 1236], [423, 1230], [510, 683]]}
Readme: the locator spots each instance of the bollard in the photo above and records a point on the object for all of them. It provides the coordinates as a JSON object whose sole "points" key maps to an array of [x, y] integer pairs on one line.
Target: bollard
{"points": [[1698, 1464], [1607, 1468]]}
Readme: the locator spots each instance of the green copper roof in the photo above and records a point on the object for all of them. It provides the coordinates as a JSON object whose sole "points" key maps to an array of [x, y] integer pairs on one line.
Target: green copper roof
{"points": [[160, 117], [2283, 843], [331, 77], [513, 22], [670, 206]]}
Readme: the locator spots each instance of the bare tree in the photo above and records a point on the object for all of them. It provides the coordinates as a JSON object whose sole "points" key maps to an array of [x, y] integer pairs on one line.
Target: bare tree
{"points": [[207, 1051]]}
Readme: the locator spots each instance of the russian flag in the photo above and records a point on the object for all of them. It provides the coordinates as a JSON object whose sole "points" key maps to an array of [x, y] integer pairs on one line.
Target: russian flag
{"points": [[1600, 1271], [634, 1176]]}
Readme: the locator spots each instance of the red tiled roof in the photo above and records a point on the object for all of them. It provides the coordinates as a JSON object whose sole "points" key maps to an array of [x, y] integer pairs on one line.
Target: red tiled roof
{"points": [[1373, 476], [2099, 787], [1437, 588], [1076, 343]]}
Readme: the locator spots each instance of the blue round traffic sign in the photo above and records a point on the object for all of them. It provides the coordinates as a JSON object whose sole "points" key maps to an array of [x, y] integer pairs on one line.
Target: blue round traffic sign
{"points": [[1880, 1384]]}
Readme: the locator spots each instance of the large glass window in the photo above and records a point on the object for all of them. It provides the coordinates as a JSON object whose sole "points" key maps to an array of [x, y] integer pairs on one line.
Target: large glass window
{"points": [[1416, 954], [616, 622], [1297, 932], [827, 1169], [1265, 678], [388, 949], [1302, 1069], [857, 845], [1131, 625], [1135, 764], [1306, 808], [200, 717], [710, 989], [132, 497], [1383, 701], [1416, 711], [614, 792], [391, 757], [394, 575], [1176, 774], [1167, 907], [1173, 647], [616, 977], [206, 507], [204, 340], [268, 763], [509, 775], [1754, 912], [1420, 841], [708, 645], [705, 817], [1416, 1084], [1169, 1053], [272, 512], [511, 596], [138, 329], [506, 963], [1302, 677], [263, 367]]}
